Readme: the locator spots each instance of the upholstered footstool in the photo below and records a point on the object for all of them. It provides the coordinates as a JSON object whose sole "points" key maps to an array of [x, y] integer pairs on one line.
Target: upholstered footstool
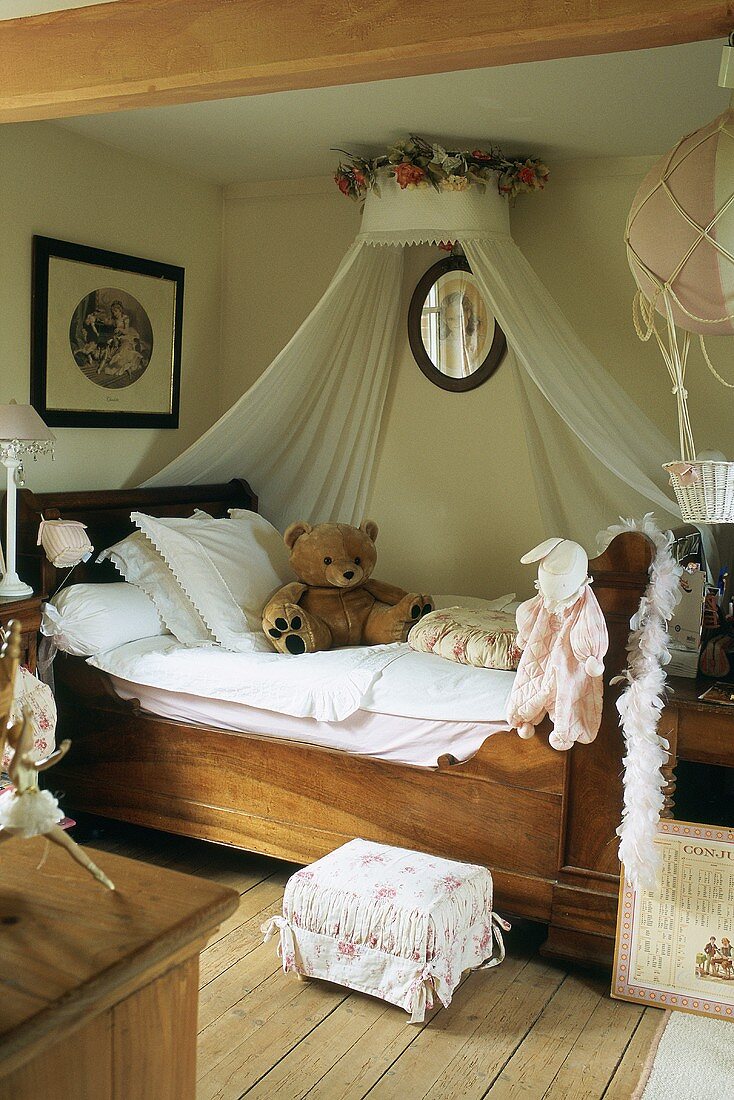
{"points": [[396, 924]]}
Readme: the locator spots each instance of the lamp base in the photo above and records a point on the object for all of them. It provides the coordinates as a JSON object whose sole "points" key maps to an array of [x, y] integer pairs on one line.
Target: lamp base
{"points": [[13, 588]]}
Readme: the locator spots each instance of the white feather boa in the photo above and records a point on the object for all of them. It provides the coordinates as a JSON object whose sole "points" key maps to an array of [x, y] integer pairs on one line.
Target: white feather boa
{"points": [[640, 705]]}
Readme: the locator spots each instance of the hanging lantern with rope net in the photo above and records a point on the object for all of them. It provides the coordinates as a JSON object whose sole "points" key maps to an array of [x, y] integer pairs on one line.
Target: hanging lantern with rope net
{"points": [[680, 248]]}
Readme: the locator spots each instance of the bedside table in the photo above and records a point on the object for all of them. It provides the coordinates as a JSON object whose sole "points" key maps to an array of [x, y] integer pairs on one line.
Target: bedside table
{"points": [[699, 772], [26, 611], [704, 731]]}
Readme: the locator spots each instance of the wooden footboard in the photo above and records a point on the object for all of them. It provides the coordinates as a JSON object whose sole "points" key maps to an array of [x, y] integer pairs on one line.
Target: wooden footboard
{"points": [[543, 821]]}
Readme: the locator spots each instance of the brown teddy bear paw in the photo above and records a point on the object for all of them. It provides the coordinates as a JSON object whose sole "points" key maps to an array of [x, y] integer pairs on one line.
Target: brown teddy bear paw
{"points": [[286, 629], [414, 606], [421, 605]]}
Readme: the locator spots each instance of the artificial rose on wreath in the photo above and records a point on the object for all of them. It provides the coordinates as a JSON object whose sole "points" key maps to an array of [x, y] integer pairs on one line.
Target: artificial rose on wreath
{"points": [[408, 175], [530, 176]]}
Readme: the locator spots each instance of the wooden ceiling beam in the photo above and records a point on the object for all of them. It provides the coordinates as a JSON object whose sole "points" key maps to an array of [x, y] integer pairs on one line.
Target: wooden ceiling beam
{"points": [[147, 53]]}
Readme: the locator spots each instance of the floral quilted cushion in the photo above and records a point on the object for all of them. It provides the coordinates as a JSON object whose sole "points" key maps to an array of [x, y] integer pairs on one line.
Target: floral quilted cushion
{"points": [[485, 639], [37, 698]]}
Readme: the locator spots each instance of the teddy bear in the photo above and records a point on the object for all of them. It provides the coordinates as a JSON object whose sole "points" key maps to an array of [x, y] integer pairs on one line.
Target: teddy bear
{"points": [[334, 601]]}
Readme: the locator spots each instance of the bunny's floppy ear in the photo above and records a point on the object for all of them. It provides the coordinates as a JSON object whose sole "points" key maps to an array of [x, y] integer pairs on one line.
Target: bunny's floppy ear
{"points": [[294, 532], [540, 551], [370, 529]]}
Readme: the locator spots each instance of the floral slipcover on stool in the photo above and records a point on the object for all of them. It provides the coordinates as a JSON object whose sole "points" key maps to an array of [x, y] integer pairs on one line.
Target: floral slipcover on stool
{"points": [[32, 696], [396, 924]]}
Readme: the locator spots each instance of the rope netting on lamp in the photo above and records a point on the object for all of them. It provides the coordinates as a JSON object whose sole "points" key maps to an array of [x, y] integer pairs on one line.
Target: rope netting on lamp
{"points": [[680, 247]]}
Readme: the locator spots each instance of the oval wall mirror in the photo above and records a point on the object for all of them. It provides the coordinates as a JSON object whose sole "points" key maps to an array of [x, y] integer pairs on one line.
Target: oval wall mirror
{"points": [[454, 336]]}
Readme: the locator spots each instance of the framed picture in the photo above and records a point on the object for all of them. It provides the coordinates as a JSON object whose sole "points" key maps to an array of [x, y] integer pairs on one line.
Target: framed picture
{"points": [[105, 338]]}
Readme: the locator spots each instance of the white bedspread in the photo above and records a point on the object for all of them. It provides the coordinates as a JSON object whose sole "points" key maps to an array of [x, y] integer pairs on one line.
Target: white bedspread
{"points": [[330, 686]]}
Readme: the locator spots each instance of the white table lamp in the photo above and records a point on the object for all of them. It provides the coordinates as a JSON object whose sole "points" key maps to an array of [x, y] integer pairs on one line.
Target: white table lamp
{"points": [[22, 433]]}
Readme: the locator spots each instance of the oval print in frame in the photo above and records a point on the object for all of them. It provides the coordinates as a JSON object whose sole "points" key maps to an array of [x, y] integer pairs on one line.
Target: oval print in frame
{"points": [[455, 339], [111, 338]]}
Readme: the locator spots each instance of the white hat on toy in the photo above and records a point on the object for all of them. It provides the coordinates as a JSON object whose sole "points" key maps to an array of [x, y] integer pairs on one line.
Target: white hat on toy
{"points": [[563, 569]]}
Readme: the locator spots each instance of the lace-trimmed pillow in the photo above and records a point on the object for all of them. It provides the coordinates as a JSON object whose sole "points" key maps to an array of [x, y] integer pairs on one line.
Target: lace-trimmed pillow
{"points": [[141, 565], [227, 569], [485, 639]]}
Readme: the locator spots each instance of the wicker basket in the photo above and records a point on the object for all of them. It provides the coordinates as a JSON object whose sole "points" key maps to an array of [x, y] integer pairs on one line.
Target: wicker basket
{"points": [[709, 498]]}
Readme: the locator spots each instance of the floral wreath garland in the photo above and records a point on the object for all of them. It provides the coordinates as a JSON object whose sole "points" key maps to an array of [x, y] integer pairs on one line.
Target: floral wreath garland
{"points": [[416, 163]]}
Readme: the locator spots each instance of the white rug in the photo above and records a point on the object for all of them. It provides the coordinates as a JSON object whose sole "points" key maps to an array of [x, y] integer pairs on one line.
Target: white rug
{"points": [[694, 1060]]}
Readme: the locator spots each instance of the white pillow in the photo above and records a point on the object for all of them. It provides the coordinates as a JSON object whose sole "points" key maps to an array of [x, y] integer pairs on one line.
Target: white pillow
{"points": [[86, 619], [228, 568], [142, 566]]}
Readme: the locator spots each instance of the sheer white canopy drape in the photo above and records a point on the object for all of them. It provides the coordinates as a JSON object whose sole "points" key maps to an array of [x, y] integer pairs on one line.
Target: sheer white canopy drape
{"points": [[306, 431]]}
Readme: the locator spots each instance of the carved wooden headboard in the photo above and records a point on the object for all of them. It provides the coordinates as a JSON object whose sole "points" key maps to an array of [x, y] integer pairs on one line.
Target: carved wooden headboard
{"points": [[106, 513]]}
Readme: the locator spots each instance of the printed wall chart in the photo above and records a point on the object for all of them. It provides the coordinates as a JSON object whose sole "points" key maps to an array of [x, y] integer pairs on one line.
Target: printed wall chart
{"points": [[674, 943]]}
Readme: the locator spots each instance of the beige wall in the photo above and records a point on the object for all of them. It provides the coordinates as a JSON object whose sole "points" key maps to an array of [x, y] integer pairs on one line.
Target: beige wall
{"points": [[59, 184], [282, 242], [453, 492]]}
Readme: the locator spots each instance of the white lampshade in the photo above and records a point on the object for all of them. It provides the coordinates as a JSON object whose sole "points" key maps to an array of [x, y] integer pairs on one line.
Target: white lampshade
{"points": [[22, 422], [423, 215]]}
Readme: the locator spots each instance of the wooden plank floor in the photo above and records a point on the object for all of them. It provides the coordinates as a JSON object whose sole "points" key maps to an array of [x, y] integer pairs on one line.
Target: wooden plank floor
{"points": [[529, 1028]]}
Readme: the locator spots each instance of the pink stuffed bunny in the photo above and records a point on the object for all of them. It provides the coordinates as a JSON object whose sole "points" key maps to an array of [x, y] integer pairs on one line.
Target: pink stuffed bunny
{"points": [[564, 641]]}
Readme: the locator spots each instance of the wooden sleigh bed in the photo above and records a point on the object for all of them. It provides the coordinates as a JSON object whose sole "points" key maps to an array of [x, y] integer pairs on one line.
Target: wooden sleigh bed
{"points": [[542, 820]]}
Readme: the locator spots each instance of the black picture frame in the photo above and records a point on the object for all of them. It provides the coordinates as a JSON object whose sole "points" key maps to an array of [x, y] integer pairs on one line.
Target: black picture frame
{"points": [[497, 348], [116, 330]]}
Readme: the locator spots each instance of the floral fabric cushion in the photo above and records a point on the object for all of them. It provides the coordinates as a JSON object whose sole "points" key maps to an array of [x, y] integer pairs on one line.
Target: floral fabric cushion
{"points": [[485, 639], [389, 922], [31, 694]]}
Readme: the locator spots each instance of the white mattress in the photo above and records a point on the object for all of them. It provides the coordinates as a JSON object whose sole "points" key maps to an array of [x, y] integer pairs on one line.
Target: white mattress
{"points": [[393, 703], [418, 741]]}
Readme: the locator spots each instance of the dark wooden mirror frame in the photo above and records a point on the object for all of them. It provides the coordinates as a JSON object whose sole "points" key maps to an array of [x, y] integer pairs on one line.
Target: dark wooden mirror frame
{"points": [[421, 356]]}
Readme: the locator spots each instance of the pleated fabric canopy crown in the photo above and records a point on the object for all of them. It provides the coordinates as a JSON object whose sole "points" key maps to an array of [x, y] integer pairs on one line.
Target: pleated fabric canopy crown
{"points": [[305, 433], [423, 215]]}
